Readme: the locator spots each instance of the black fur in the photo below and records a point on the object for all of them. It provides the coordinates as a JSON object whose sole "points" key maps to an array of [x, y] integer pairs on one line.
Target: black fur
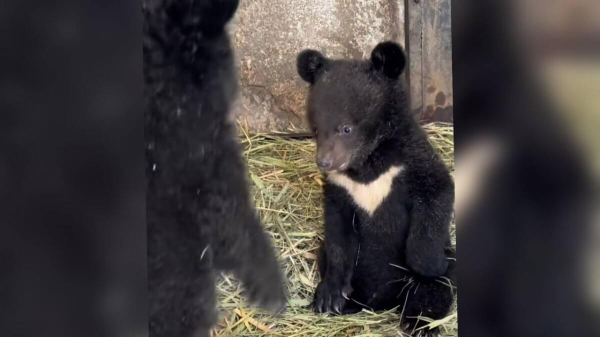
{"points": [[410, 228], [199, 213]]}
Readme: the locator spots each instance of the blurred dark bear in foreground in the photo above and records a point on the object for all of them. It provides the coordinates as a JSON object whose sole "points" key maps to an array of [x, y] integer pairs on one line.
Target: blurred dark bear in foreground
{"points": [[199, 213], [523, 223]]}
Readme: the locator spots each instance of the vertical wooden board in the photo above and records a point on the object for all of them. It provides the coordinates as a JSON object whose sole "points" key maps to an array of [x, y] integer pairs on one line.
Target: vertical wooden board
{"points": [[414, 49], [437, 61], [397, 11]]}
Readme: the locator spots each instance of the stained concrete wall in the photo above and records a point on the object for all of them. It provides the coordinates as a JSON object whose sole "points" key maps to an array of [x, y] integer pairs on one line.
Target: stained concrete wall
{"points": [[268, 34]]}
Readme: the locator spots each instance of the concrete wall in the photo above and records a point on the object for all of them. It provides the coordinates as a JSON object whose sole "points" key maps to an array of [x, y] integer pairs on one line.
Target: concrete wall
{"points": [[268, 34]]}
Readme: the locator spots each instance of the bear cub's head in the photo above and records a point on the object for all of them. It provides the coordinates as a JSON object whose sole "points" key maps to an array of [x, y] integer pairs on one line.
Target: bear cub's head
{"points": [[352, 104]]}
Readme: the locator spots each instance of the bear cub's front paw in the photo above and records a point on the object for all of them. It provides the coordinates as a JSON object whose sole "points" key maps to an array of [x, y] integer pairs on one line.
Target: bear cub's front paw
{"points": [[331, 297]]}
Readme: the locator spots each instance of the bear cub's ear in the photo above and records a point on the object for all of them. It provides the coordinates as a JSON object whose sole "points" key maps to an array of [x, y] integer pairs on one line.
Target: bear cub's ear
{"points": [[309, 64], [389, 58]]}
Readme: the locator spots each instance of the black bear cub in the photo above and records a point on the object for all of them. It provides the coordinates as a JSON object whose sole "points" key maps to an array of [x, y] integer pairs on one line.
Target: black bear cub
{"points": [[199, 213], [388, 199]]}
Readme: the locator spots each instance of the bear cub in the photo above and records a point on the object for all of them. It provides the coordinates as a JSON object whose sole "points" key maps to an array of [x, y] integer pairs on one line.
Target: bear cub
{"points": [[388, 198], [200, 217]]}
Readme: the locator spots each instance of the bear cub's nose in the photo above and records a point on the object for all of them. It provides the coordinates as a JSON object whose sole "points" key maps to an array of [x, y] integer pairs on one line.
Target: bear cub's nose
{"points": [[324, 163]]}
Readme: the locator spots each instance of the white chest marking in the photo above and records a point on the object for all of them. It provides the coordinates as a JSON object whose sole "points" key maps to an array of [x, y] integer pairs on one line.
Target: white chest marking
{"points": [[368, 196]]}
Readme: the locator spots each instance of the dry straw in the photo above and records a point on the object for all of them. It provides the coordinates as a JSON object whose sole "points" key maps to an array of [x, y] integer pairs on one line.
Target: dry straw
{"points": [[287, 190]]}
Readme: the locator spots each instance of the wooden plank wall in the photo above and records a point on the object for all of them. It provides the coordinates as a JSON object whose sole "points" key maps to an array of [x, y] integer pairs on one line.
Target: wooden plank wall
{"points": [[429, 49]]}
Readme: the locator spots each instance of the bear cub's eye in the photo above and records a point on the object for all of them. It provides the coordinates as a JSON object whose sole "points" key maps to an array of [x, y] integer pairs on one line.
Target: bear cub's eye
{"points": [[347, 129]]}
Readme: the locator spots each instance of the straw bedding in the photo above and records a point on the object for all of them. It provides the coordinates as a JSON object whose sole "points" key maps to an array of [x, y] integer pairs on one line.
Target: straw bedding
{"points": [[287, 191]]}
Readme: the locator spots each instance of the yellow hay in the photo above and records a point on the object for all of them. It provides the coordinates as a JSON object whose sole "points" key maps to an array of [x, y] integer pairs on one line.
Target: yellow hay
{"points": [[287, 189]]}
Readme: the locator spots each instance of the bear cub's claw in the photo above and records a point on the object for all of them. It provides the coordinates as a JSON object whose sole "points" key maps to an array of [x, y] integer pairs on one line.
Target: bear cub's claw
{"points": [[331, 297]]}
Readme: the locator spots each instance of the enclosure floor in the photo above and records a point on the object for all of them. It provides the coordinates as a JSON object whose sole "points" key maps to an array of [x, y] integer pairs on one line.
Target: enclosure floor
{"points": [[287, 191]]}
